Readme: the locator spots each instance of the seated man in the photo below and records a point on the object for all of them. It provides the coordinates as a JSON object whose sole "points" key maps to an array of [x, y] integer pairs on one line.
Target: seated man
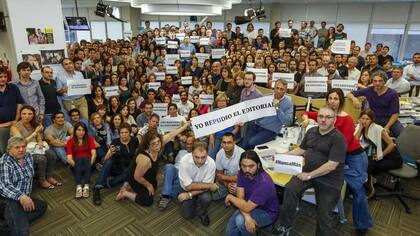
{"points": [[227, 167], [383, 101], [266, 129], [75, 117], [324, 148], [397, 82], [57, 134], [256, 198], [16, 173], [196, 177]]}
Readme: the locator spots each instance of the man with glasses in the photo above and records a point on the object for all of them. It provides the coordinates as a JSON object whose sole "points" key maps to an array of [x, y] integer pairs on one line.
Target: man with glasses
{"points": [[49, 89], [250, 91], [324, 148]]}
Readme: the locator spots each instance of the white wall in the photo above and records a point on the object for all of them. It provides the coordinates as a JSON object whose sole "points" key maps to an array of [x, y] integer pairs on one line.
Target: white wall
{"points": [[6, 40]]}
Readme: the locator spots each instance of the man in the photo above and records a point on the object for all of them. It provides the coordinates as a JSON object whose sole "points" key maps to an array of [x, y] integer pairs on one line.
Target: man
{"points": [[412, 72], [238, 34], [366, 50], [116, 161], [384, 56], [16, 174], [373, 65], [275, 35], [250, 91], [266, 129], [49, 90], [227, 166], [263, 37], [228, 32], [169, 86], [77, 62], [397, 82], [144, 117], [322, 34], [324, 148], [339, 33], [383, 101], [360, 59], [303, 32], [332, 72], [187, 46], [89, 62], [146, 27], [184, 106], [216, 69], [57, 134], [74, 101], [10, 103], [151, 98], [312, 72], [75, 117], [354, 73], [152, 124], [340, 66], [170, 186], [196, 177], [30, 90], [312, 31], [256, 198]]}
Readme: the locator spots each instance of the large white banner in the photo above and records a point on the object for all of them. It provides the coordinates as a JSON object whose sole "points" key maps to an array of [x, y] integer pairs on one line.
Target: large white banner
{"points": [[346, 85], [341, 47], [242, 112], [288, 164], [289, 77], [316, 84], [172, 44], [261, 75], [78, 87]]}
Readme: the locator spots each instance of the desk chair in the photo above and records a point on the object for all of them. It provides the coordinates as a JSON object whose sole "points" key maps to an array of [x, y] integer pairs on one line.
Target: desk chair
{"points": [[407, 145]]}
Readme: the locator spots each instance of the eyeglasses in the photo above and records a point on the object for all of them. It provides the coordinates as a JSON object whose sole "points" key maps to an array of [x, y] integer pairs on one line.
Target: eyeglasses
{"points": [[321, 117]]}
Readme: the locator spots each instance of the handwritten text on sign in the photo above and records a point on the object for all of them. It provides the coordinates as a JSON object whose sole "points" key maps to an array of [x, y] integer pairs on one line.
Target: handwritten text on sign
{"points": [[242, 112], [346, 85], [288, 164], [78, 87], [316, 84]]}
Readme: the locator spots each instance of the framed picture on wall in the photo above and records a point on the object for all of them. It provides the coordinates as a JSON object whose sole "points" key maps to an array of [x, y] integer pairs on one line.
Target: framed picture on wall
{"points": [[52, 57], [40, 36], [34, 60]]}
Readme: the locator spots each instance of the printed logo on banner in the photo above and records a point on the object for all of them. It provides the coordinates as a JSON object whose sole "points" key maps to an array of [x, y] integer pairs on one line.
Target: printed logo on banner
{"points": [[289, 77], [201, 57], [180, 36], [341, 47], [316, 84], [172, 44], [160, 109], [167, 124], [288, 164], [171, 58], [285, 33]]}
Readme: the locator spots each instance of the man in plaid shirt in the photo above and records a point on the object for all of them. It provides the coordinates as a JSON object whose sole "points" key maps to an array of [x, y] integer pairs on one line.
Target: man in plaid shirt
{"points": [[16, 173]]}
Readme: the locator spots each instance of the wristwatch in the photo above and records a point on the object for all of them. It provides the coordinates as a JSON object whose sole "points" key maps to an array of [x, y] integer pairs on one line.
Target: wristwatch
{"points": [[190, 194], [308, 177]]}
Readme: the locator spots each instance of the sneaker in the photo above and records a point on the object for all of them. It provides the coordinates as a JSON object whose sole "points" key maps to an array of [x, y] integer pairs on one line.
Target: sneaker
{"points": [[205, 221], [281, 231], [79, 191], [163, 203], [96, 196], [86, 191]]}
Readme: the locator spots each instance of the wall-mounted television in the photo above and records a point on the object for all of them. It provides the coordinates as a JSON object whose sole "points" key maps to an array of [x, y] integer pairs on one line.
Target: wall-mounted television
{"points": [[77, 23]]}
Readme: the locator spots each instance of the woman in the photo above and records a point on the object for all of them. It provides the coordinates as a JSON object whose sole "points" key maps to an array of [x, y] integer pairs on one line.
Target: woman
{"points": [[28, 128], [123, 90], [195, 87], [81, 154], [223, 82], [195, 68], [215, 139], [381, 150], [356, 160], [114, 105], [364, 80], [132, 105], [202, 109], [101, 133], [235, 88], [122, 70], [127, 118], [141, 174], [116, 121], [98, 98]]}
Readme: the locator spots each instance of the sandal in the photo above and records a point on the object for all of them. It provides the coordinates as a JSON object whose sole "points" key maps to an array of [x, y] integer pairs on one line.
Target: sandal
{"points": [[46, 185], [54, 182]]}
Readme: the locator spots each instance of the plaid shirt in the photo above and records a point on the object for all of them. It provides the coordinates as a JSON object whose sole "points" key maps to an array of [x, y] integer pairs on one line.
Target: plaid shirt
{"points": [[15, 180]]}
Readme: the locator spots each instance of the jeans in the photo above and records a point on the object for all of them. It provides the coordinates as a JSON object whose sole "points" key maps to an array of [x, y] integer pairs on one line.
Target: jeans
{"points": [[355, 174], [17, 219], [221, 193], [326, 199], [100, 153], [213, 150], [198, 205], [82, 169], [61, 153], [103, 175], [256, 135], [170, 181], [395, 129], [47, 120], [236, 223]]}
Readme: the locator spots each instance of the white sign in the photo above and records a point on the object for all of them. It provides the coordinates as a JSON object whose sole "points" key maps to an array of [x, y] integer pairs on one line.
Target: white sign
{"points": [[206, 99], [316, 84], [154, 85], [289, 77], [195, 39], [171, 58], [167, 124], [250, 64], [173, 44], [161, 41], [204, 41], [171, 70], [217, 53], [161, 109], [180, 36], [186, 80], [185, 53], [160, 76], [346, 85], [285, 33], [341, 47], [202, 57], [214, 121], [288, 164], [176, 98], [261, 75], [78, 87], [111, 91]]}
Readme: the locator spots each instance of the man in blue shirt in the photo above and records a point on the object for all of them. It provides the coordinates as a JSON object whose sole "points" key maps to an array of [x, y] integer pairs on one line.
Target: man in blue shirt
{"points": [[16, 173], [187, 46]]}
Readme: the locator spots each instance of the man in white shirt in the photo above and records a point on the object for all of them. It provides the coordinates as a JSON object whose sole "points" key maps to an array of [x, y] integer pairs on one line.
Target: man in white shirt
{"points": [[184, 106], [397, 82], [366, 50], [196, 177], [227, 166], [412, 72], [354, 73]]}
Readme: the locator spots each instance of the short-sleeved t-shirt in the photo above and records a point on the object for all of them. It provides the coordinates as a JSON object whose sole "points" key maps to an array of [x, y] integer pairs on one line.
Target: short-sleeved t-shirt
{"points": [[383, 105], [262, 183], [230, 166], [83, 151], [319, 149], [60, 133]]}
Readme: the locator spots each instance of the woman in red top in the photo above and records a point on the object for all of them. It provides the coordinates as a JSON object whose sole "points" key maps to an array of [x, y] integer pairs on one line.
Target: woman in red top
{"points": [[355, 172], [81, 155]]}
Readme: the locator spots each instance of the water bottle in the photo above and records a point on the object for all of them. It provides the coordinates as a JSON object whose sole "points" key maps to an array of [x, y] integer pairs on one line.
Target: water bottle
{"points": [[286, 134]]}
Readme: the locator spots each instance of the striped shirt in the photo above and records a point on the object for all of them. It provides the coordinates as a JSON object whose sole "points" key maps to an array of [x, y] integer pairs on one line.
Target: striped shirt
{"points": [[15, 180]]}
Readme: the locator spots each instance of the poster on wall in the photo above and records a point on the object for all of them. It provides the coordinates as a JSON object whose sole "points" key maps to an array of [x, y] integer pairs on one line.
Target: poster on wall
{"points": [[52, 57], [40, 36], [34, 60]]}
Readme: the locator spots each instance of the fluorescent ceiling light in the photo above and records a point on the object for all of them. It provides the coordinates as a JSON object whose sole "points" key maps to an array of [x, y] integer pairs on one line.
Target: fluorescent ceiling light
{"points": [[181, 10]]}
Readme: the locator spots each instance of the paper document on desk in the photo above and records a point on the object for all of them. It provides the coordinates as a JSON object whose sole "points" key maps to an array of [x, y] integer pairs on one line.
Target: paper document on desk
{"points": [[288, 164]]}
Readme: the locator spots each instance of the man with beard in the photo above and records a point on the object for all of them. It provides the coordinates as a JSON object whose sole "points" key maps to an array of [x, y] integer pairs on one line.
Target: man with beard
{"points": [[250, 91]]}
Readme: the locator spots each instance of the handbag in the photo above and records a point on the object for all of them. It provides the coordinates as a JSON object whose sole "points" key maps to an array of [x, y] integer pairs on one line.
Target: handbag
{"points": [[33, 148]]}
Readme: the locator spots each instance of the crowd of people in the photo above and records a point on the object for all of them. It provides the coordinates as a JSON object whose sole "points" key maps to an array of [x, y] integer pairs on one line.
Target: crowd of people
{"points": [[119, 136]]}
